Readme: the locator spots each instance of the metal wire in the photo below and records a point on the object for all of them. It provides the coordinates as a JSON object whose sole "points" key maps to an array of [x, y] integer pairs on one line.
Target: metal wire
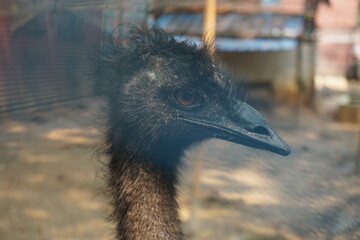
{"points": [[45, 49]]}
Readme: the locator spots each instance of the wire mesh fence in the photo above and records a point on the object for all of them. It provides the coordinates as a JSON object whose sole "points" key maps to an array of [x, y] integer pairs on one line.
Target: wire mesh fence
{"points": [[47, 49]]}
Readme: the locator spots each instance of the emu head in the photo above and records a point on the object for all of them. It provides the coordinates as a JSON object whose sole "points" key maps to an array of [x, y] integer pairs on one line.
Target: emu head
{"points": [[165, 94]]}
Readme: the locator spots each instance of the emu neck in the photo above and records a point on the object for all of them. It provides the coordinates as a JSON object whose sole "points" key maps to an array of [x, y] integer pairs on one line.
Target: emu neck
{"points": [[144, 197]]}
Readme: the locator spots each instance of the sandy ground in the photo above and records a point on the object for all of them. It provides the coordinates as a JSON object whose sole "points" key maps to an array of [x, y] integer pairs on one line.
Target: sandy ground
{"points": [[50, 182]]}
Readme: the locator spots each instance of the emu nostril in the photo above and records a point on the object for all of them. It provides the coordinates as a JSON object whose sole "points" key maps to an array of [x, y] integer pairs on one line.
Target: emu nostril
{"points": [[261, 130]]}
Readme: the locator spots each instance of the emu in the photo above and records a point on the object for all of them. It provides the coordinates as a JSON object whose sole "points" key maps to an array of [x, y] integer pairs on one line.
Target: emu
{"points": [[164, 96]]}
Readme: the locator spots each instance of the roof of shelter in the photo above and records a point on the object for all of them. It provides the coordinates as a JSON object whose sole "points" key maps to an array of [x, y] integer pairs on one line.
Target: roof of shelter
{"points": [[235, 25]]}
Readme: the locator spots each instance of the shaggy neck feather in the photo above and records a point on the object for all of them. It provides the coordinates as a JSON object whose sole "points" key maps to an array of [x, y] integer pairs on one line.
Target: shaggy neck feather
{"points": [[144, 196]]}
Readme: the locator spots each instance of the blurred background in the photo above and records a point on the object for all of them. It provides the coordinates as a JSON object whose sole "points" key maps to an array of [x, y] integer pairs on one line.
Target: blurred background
{"points": [[301, 59]]}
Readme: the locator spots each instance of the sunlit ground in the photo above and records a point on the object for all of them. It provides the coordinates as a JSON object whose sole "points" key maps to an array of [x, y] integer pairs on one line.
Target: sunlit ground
{"points": [[51, 182], [336, 83]]}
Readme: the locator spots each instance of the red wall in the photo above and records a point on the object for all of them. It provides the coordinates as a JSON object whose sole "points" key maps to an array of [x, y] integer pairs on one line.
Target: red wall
{"points": [[341, 14], [335, 30]]}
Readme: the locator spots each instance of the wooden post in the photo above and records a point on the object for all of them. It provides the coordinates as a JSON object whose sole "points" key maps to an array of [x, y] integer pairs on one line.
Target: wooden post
{"points": [[209, 34], [195, 189], [357, 158], [209, 24], [355, 41]]}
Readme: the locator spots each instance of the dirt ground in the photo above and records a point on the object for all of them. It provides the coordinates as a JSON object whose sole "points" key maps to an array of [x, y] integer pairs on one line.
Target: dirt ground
{"points": [[51, 181]]}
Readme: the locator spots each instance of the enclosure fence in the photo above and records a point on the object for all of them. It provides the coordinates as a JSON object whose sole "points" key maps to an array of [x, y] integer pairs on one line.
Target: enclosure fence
{"points": [[48, 49]]}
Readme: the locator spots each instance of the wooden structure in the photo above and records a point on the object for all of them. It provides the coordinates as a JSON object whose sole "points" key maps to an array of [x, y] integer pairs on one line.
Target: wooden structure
{"points": [[264, 40], [262, 46]]}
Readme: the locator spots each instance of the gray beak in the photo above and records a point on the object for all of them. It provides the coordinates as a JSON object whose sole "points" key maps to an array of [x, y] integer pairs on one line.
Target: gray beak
{"points": [[245, 126]]}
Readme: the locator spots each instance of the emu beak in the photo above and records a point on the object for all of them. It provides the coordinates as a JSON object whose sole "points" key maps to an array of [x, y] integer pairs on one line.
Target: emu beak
{"points": [[244, 126]]}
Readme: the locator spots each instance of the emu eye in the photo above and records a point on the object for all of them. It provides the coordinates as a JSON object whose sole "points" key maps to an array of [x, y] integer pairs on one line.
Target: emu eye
{"points": [[187, 98]]}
